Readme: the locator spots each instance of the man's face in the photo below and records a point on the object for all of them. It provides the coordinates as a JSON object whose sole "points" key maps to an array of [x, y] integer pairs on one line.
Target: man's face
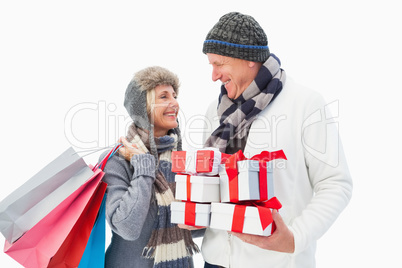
{"points": [[233, 73]]}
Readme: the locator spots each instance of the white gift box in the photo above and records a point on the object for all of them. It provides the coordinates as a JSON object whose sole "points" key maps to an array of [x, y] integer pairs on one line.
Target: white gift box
{"points": [[202, 213], [204, 189], [223, 184], [222, 218], [248, 181]]}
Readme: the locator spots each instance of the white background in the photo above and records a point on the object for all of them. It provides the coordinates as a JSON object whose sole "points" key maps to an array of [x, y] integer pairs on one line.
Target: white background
{"points": [[65, 65]]}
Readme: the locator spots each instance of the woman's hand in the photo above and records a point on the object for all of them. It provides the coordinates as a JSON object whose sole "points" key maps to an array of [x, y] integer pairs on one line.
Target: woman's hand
{"points": [[129, 149]]}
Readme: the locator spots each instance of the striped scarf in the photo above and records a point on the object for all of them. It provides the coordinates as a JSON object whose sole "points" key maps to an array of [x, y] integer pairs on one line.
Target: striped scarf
{"points": [[168, 245], [237, 115]]}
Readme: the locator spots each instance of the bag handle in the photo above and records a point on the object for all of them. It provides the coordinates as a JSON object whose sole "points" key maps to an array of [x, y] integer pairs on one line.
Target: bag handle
{"points": [[101, 165]]}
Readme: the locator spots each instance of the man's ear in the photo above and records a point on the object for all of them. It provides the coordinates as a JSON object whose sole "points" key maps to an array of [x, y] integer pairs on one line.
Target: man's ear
{"points": [[253, 64]]}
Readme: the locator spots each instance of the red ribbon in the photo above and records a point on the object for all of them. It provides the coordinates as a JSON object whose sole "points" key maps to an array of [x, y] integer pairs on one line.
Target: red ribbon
{"points": [[224, 157], [264, 211], [205, 161], [178, 161], [188, 187], [189, 213], [238, 218], [231, 171]]}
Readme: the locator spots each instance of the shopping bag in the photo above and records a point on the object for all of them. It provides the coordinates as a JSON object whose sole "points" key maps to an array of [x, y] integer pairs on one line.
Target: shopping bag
{"points": [[39, 244], [32, 201], [94, 255], [72, 249]]}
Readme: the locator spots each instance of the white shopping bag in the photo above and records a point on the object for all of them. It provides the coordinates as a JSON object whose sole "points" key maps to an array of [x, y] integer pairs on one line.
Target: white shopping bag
{"points": [[33, 200]]}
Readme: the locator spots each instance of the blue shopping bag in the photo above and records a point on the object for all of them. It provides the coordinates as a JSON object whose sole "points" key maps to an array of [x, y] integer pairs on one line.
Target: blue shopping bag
{"points": [[94, 254]]}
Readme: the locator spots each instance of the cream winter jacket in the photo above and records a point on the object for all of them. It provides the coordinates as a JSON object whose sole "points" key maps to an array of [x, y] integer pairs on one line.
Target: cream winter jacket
{"points": [[313, 184]]}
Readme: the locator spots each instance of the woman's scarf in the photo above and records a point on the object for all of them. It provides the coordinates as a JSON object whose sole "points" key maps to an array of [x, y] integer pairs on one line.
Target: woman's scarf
{"points": [[169, 245], [236, 116]]}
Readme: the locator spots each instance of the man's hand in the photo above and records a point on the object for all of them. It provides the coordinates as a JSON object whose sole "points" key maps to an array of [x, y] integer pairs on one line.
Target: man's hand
{"points": [[281, 240]]}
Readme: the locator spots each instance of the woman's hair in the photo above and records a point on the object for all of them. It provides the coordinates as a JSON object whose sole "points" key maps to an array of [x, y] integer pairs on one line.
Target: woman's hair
{"points": [[149, 78], [150, 101]]}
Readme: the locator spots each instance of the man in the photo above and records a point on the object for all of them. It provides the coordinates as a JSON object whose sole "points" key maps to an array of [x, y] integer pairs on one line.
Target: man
{"points": [[259, 109]]}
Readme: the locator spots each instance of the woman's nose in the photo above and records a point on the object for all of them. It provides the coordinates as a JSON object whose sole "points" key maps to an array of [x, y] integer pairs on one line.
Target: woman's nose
{"points": [[174, 104]]}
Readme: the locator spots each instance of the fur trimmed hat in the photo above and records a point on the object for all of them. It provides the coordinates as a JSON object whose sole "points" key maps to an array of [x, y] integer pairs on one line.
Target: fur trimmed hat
{"points": [[238, 36]]}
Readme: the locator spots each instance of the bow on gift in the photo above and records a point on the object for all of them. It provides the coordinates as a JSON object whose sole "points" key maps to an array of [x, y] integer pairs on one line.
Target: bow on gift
{"points": [[264, 211], [231, 171]]}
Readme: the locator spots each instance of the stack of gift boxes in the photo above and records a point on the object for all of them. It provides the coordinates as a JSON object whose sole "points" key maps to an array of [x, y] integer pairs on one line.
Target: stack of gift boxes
{"points": [[226, 192], [197, 185]]}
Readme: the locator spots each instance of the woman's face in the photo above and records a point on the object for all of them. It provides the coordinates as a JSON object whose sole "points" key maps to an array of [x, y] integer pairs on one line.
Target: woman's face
{"points": [[165, 110]]}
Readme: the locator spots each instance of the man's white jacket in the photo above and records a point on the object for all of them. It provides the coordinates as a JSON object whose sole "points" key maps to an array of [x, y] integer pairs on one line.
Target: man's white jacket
{"points": [[313, 184]]}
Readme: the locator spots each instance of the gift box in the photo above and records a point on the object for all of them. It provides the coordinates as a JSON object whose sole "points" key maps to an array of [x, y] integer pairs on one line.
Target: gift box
{"points": [[189, 213], [204, 161], [248, 219], [223, 184], [248, 181], [243, 179], [203, 189]]}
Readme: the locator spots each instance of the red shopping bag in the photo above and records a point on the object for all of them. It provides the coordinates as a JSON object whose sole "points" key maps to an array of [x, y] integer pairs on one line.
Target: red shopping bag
{"points": [[39, 244], [72, 249], [94, 254]]}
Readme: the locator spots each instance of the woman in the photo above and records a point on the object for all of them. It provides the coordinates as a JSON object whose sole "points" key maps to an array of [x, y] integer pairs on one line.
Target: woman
{"points": [[140, 182]]}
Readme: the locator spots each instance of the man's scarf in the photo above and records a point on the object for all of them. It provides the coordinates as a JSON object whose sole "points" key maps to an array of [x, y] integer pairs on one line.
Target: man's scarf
{"points": [[168, 245], [236, 116]]}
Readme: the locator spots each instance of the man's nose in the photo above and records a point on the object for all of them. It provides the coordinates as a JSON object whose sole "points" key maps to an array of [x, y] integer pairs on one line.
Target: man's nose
{"points": [[216, 75]]}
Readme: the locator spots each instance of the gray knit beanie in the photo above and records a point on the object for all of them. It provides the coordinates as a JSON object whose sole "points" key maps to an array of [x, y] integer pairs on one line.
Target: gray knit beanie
{"points": [[239, 36]]}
